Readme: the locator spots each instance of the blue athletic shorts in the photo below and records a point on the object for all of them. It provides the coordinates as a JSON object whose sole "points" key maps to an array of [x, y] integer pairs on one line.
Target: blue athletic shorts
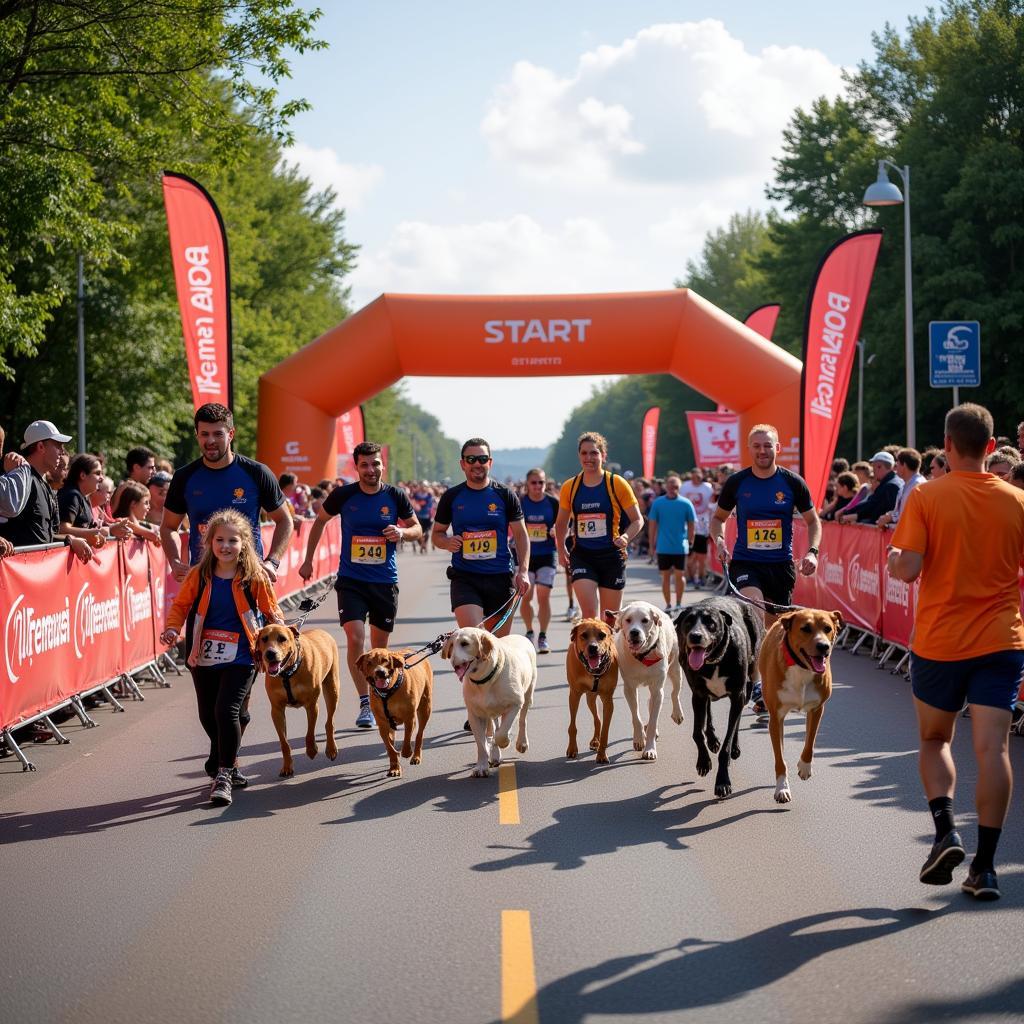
{"points": [[991, 680]]}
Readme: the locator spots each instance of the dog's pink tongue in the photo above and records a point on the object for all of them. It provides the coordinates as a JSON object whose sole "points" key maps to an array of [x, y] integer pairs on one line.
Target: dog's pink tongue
{"points": [[461, 670], [593, 662], [818, 664], [696, 657], [273, 668]]}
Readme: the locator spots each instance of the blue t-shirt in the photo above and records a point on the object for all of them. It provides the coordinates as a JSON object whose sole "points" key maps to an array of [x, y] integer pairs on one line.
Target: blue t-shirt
{"points": [[481, 517], [672, 515], [540, 516], [199, 492], [424, 504], [764, 513], [365, 554], [223, 641]]}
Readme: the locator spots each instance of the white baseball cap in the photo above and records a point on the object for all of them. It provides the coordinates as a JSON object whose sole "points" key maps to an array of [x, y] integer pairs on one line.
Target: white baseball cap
{"points": [[883, 457], [43, 430]]}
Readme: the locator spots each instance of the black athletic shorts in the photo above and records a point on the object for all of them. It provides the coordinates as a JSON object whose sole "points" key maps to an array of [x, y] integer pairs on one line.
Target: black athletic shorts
{"points": [[700, 544], [775, 580], [426, 525], [489, 590], [606, 568], [358, 601], [667, 562]]}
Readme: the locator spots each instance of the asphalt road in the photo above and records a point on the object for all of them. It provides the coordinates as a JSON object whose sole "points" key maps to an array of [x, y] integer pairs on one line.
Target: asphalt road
{"points": [[342, 895]]}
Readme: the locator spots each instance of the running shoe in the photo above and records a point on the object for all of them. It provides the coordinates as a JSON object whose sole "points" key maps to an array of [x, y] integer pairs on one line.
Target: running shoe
{"points": [[757, 703], [698, 584], [364, 720], [529, 636], [946, 854], [542, 644], [982, 885], [570, 613], [238, 780], [669, 609], [220, 791]]}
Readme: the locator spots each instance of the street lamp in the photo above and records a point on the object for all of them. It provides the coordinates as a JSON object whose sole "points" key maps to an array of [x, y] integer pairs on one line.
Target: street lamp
{"points": [[884, 193], [861, 362]]}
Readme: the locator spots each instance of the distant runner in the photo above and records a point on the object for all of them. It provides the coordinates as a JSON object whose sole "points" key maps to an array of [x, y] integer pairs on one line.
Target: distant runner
{"points": [[540, 510]]}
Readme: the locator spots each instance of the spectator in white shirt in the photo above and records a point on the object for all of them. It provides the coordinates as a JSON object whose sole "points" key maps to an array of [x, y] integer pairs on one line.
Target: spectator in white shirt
{"points": [[908, 469]]}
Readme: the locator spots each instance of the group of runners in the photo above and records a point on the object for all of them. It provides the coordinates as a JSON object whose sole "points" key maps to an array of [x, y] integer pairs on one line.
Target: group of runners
{"points": [[968, 647]]}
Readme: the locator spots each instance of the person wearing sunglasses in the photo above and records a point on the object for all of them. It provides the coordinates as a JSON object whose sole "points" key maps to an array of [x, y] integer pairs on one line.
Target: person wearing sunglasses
{"points": [[482, 515], [540, 510]]}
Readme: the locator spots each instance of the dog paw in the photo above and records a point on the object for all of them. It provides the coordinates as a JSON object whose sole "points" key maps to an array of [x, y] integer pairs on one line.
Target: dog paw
{"points": [[480, 773], [638, 745], [703, 765], [735, 752], [594, 744], [649, 755], [712, 742], [602, 758], [723, 789], [495, 763], [571, 754], [783, 796], [395, 773], [331, 751], [677, 717], [803, 769], [312, 750], [286, 773], [502, 741], [415, 759], [522, 747]]}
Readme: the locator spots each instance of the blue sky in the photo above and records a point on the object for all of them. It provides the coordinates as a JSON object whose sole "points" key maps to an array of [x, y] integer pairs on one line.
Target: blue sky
{"points": [[483, 148]]}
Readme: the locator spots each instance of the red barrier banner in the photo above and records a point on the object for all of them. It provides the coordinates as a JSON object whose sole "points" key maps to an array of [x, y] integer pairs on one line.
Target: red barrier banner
{"points": [[899, 606], [835, 309], [138, 619], [649, 440], [350, 431], [763, 319], [715, 437], [199, 252], [849, 577]]}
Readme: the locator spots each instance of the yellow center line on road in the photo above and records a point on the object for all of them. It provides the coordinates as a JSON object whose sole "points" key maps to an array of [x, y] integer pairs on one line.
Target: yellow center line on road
{"points": [[508, 795], [518, 982]]}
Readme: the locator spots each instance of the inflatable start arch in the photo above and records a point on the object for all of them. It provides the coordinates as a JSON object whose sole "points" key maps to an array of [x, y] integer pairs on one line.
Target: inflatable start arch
{"points": [[397, 336]]}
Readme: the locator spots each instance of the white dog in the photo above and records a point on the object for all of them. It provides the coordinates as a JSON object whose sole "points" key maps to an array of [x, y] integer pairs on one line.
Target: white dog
{"points": [[498, 678], [648, 651]]}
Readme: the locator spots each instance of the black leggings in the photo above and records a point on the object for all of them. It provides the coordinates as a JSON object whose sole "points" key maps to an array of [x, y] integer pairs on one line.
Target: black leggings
{"points": [[222, 694]]}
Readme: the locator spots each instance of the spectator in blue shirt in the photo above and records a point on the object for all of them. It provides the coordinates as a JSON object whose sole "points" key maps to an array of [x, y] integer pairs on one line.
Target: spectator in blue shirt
{"points": [[673, 524]]}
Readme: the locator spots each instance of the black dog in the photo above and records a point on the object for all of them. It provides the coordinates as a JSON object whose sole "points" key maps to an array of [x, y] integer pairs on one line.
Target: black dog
{"points": [[718, 644]]}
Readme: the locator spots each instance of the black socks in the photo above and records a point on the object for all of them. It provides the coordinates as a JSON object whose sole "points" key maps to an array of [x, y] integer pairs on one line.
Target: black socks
{"points": [[942, 812], [364, 701], [988, 839]]}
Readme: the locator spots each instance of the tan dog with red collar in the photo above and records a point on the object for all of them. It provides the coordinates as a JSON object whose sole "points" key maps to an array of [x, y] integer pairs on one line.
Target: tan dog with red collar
{"points": [[592, 669], [796, 676]]}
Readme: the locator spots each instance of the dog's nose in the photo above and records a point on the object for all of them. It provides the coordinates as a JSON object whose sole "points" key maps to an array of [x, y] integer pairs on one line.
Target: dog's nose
{"points": [[696, 637], [379, 673], [635, 634], [271, 656], [823, 646], [592, 648]]}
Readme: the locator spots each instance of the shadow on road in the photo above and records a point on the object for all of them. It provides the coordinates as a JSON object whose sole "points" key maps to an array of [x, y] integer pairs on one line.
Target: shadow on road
{"points": [[706, 972]]}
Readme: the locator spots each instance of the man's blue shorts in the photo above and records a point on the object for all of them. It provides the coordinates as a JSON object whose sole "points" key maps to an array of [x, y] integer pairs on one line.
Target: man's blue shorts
{"points": [[991, 680]]}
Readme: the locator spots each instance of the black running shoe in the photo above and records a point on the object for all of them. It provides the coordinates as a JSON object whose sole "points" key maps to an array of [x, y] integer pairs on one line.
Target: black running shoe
{"points": [[982, 885], [238, 780], [946, 854]]}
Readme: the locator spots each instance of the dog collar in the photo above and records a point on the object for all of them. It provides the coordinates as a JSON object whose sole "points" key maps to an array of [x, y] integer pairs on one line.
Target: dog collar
{"points": [[285, 675], [486, 678], [383, 696], [595, 675], [789, 657], [645, 658]]}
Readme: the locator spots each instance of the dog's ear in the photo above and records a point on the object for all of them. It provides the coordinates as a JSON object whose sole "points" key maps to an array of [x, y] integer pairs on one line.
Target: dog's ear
{"points": [[294, 631], [446, 649], [362, 662], [574, 631], [398, 661], [786, 620], [727, 618], [486, 644], [837, 618], [611, 618], [257, 656]]}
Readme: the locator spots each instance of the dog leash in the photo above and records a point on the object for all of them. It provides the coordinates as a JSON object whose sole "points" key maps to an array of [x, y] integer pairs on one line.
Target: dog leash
{"points": [[439, 641], [307, 606], [766, 606]]}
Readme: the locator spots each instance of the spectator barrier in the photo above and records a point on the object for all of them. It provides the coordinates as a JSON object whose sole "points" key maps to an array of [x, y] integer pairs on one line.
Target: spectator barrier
{"points": [[71, 628]]}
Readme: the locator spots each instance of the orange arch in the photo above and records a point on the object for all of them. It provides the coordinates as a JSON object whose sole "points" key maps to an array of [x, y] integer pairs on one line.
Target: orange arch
{"points": [[397, 336]]}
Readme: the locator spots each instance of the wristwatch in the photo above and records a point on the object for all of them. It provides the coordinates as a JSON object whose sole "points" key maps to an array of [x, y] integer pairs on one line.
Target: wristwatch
{"points": [[812, 551], [273, 561]]}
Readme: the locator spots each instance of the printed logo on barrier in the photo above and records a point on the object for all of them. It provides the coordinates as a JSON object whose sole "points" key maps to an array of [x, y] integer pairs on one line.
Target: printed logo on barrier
{"points": [[93, 618], [27, 634], [158, 595], [862, 580], [897, 592], [833, 573], [519, 332], [138, 607]]}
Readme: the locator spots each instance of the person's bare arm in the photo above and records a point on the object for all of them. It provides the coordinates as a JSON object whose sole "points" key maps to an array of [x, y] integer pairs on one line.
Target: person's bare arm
{"points": [[905, 565], [171, 544]]}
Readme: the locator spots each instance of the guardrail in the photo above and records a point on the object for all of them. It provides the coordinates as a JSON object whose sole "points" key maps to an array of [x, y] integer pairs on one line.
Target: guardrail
{"points": [[71, 629]]}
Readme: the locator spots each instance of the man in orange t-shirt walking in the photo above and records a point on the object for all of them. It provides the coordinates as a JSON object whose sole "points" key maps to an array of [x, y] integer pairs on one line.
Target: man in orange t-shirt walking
{"points": [[964, 535]]}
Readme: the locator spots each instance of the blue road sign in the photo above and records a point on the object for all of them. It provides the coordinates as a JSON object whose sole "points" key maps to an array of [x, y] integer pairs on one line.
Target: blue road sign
{"points": [[955, 353]]}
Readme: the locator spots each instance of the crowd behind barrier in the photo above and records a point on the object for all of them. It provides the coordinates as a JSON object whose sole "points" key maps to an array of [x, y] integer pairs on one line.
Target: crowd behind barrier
{"points": [[70, 628]]}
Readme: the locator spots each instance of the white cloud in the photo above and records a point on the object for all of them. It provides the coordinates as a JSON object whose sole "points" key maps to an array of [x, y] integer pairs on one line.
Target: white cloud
{"points": [[684, 102], [351, 182]]}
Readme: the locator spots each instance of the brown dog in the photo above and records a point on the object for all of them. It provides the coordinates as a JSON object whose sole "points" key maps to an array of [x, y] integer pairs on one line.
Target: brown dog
{"points": [[397, 696], [299, 666], [796, 676], [592, 668]]}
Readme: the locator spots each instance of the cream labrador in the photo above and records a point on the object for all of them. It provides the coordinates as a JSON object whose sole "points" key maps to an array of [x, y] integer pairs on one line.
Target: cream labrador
{"points": [[498, 676], [648, 651]]}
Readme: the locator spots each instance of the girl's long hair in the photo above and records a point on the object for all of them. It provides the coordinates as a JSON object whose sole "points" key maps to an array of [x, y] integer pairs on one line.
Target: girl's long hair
{"points": [[249, 566]]}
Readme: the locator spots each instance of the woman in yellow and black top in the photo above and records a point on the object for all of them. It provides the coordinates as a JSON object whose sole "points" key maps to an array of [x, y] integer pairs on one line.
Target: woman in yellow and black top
{"points": [[605, 517]]}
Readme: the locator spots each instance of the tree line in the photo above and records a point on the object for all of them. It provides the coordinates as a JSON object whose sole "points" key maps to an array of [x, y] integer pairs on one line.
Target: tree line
{"points": [[946, 98], [96, 98]]}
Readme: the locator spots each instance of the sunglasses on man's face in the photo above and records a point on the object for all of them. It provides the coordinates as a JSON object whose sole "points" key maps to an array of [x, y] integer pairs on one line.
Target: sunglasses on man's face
{"points": [[481, 459]]}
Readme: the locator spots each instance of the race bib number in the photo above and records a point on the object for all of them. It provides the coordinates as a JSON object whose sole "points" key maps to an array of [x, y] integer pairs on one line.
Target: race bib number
{"points": [[479, 544], [369, 550], [537, 532], [592, 525], [217, 647], [764, 534]]}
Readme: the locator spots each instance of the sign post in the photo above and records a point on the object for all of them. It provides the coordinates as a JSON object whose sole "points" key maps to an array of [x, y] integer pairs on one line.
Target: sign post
{"points": [[955, 355]]}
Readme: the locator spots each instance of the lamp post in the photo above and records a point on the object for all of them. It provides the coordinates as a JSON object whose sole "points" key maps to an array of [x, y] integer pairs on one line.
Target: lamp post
{"points": [[884, 193], [861, 349]]}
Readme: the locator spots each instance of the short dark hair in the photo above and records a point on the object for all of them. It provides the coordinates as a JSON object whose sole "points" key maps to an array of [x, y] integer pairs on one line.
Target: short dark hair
{"points": [[286, 480], [536, 471], [1017, 473], [130, 493], [138, 457], [370, 448], [317, 492], [213, 412], [848, 479], [969, 427], [475, 442], [840, 466], [81, 465], [909, 457], [595, 439]]}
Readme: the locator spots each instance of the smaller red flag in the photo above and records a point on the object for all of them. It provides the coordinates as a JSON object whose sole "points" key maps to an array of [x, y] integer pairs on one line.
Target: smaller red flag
{"points": [[649, 439]]}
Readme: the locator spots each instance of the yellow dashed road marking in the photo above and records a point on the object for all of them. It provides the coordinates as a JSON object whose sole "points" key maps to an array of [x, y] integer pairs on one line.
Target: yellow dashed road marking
{"points": [[508, 795], [518, 983]]}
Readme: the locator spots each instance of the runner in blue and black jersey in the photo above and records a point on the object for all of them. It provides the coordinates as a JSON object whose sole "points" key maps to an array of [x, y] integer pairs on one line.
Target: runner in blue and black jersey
{"points": [[540, 510], [766, 497], [375, 516]]}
